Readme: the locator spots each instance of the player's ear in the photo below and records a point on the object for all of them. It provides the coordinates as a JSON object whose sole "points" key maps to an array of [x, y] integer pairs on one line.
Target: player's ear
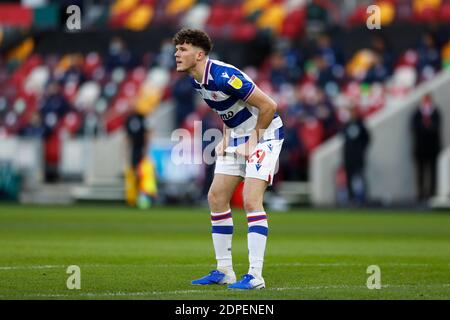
{"points": [[200, 55]]}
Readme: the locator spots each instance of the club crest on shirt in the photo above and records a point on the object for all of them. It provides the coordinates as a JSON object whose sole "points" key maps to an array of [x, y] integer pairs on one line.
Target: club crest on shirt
{"points": [[235, 82]]}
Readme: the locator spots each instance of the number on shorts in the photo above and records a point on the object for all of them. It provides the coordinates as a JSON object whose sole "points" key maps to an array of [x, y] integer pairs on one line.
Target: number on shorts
{"points": [[257, 155]]}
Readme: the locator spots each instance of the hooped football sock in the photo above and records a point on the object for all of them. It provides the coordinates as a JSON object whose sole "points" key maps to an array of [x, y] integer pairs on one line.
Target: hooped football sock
{"points": [[222, 233], [257, 237]]}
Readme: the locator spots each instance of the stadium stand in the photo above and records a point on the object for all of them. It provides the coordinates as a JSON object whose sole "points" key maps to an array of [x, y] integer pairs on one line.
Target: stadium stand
{"points": [[58, 96]]}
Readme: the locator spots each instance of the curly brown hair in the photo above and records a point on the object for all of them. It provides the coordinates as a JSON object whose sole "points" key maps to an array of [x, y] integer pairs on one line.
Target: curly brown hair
{"points": [[195, 37]]}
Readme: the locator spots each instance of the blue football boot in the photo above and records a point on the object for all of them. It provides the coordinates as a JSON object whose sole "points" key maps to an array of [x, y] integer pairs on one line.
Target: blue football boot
{"points": [[248, 282], [216, 277]]}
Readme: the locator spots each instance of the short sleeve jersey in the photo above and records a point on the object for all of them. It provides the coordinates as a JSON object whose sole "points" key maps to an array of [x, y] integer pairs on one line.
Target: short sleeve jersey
{"points": [[226, 90]]}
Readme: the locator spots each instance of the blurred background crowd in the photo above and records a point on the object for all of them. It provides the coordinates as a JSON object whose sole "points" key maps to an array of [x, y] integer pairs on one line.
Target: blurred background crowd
{"points": [[315, 58]]}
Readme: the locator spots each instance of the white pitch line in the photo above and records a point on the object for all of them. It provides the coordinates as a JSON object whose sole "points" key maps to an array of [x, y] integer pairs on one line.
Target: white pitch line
{"points": [[177, 265], [32, 267], [343, 264], [177, 292]]}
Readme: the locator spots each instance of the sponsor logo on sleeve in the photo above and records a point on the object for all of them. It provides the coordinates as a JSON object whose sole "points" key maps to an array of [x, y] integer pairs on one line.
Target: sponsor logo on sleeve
{"points": [[235, 82]]}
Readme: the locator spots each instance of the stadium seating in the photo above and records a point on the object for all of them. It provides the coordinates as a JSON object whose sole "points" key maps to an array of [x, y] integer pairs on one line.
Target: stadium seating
{"points": [[315, 88], [282, 17]]}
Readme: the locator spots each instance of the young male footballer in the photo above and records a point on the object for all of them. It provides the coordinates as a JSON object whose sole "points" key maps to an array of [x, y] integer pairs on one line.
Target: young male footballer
{"points": [[249, 150]]}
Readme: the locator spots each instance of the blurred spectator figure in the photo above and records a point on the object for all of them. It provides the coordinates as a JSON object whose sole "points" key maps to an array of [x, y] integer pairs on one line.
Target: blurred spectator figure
{"points": [[378, 71], [183, 94], [209, 121], [325, 50], [53, 109], [54, 103], [356, 141], [140, 178], [137, 137], [292, 161], [381, 46], [33, 129], [317, 15], [429, 54], [404, 10], [165, 57], [293, 59], [326, 115], [325, 73], [327, 60], [118, 55], [426, 127], [74, 74], [279, 74]]}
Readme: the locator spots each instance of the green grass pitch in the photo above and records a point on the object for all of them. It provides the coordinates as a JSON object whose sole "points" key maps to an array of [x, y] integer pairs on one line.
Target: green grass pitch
{"points": [[124, 253]]}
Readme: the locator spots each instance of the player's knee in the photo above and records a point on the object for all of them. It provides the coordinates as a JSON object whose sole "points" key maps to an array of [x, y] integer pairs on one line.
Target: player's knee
{"points": [[215, 199], [252, 204]]}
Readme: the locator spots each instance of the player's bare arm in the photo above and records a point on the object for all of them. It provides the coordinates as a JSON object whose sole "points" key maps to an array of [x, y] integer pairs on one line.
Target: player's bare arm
{"points": [[267, 108]]}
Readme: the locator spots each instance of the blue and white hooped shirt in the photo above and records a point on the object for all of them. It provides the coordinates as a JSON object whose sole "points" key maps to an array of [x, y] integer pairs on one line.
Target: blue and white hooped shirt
{"points": [[226, 89]]}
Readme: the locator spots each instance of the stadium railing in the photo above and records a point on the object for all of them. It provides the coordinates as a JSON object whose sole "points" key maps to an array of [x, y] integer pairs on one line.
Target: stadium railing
{"points": [[442, 199], [25, 155], [101, 161]]}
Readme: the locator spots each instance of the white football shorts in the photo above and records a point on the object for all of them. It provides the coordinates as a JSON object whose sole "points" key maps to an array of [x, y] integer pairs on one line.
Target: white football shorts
{"points": [[261, 164]]}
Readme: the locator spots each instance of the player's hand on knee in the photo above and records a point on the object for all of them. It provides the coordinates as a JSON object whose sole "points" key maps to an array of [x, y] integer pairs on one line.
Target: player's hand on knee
{"points": [[245, 149], [220, 148]]}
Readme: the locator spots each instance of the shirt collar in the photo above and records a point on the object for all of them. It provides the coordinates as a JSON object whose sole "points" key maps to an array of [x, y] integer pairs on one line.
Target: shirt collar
{"points": [[206, 72]]}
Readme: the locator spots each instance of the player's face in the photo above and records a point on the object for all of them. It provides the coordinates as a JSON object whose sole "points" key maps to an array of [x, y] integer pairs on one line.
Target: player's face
{"points": [[186, 57]]}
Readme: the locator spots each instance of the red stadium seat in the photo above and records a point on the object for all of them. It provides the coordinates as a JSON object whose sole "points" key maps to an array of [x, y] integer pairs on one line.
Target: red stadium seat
{"points": [[444, 14], [311, 134], [358, 16], [138, 75], [244, 32], [118, 20], [128, 89], [148, 2], [72, 122], [235, 15], [70, 91], [91, 63], [426, 15], [30, 102], [409, 58], [114, 121], [218, 16], [293, 24], [32, 62], [19, 77]]}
